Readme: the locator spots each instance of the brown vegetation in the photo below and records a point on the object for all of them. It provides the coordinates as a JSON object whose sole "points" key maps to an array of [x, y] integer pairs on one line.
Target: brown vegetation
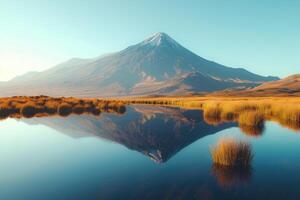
{"points": [[41, 106], [251, 118], [28, 109], [212, 113], [64, 109], [229, 152], [254, 131], [249, 112]]}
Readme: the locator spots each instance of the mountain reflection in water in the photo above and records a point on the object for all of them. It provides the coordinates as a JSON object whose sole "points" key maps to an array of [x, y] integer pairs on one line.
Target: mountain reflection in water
{"points": [[157, 132], [110, 157]]}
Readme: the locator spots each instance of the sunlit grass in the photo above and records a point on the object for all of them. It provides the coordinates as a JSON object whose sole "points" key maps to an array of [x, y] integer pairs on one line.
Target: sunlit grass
{"points": [[229, 152], [28, 109], [249, 112], [39, 106], [64, 109], [251, 118], [212, 113]]}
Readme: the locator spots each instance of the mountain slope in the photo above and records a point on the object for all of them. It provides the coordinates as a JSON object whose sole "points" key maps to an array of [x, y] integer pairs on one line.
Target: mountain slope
{"points": [[289, 86], [157, 61]]}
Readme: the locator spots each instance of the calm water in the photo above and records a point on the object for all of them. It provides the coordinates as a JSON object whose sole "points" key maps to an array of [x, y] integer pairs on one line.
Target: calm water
{"points": [[147, 153]]}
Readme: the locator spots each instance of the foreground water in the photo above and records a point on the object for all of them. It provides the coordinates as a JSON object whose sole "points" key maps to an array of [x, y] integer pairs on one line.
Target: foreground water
{"points": [[147, 153]]}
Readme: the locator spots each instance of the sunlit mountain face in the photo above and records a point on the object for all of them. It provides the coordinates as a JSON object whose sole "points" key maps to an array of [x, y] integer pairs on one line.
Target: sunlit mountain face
{"points": [[157, 65], [157, 132]]}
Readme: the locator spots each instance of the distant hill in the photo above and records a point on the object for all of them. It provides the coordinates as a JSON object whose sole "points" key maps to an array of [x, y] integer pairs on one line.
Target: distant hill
{"points": [[289, 86], [157, 65]]}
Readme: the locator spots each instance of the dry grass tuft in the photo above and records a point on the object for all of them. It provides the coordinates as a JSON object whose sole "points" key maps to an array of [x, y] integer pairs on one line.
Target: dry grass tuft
{"points": [[4, 112], [78, 109], [251, 118], [229, 152], [289, 117], [64, 109], [42, 106], [212, 113], [28, 110], [253, 131]]}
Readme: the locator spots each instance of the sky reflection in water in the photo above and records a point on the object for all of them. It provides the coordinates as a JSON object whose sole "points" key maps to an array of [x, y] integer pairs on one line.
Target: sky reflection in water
{"points": [[147, 153]]}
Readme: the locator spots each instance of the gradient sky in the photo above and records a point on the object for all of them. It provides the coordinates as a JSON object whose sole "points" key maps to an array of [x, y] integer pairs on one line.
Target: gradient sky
{"points": [[262, 36]]}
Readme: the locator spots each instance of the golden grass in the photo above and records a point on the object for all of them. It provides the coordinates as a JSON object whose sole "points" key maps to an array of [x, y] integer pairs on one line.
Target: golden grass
{"points": [[249, 112], [251, 118], [229, 152], [64, 109], [40, 106], [28, 109], [212, 113], [253, 131]]}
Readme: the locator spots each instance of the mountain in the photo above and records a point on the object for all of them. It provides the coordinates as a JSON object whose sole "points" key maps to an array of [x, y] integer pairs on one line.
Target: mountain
{"points": [[157, 132], [157, 65], [289, 86]]}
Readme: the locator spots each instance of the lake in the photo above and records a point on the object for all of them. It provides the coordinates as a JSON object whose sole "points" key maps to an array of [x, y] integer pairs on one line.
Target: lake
{"points": [[149, 152]]}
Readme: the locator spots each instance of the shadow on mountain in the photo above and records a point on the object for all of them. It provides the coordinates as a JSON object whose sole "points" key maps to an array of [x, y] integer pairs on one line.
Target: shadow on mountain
{"points": [[157, 132]]}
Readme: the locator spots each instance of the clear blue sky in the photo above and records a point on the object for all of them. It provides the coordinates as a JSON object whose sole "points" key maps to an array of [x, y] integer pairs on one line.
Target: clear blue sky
{"points": [[262, 36]]}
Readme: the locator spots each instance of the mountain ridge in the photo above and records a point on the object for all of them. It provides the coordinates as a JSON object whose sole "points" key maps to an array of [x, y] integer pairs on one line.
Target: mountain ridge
{"points": [[158, 60], [289, 86]]}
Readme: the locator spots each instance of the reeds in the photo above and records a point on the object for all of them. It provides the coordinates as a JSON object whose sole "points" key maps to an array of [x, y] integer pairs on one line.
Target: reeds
{"points": [[40, 106], [251, 118], [28, 109], [249, 112], [253, 131], [290, 117], [229, 152], [212, 113], [64, 109]]}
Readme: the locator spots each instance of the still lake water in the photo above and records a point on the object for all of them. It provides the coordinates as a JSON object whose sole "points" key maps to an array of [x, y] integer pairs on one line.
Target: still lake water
{"points": [[147, 153]]}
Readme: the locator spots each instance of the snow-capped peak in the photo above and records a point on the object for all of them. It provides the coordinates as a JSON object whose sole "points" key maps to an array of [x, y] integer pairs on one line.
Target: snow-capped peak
{"points": [[158, 39]]}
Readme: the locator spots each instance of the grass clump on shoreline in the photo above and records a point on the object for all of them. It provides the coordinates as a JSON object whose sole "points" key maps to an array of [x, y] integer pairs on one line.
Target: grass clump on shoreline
{"points": [[64, 109], [28, 110], [41, 106], [229, 152], [251, 118], [249, 112], [212, 113]]}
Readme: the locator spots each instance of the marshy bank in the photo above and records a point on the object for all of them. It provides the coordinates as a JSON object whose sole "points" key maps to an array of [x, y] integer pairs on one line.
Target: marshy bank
{"points": [[41, 106], [249, 112]]}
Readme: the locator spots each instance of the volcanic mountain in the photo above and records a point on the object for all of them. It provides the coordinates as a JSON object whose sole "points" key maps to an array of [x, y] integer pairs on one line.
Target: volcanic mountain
{"points": [[157, 65]]}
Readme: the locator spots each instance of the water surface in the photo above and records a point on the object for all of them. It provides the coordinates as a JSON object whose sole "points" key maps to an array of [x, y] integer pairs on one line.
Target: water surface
{"points": [[147, 153]]}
